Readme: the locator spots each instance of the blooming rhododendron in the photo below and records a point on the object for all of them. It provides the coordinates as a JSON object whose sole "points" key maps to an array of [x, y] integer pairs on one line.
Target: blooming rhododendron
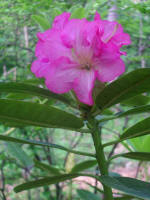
{"points": [[74, 53]]}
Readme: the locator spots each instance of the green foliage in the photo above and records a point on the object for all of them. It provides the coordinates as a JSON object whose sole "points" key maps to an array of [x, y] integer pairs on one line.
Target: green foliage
{"points": [[41, 21], [137, 100], [83, 166], [44, 182], [16, 151], [35, 114], [39, 143], [130, 186], [141, 144], [50, 169], [139, 129], [33, 90], [86, 195], [78, 13], [134, 111], [127, 86], [143, 156]]}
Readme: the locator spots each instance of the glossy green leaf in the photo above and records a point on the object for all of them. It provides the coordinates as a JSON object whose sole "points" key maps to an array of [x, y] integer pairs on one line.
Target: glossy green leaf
{"points": [[17, 152], [107, 112], [134, 111], [41, 21], [141, 144], [127, 86], [23, 88], [78, 13], [143, 156], [49, 168], [37, 115], [50, 180], [139, 129], [129, 186], [33, 142], [87, 195], [44, 182], [137, 101], [83, 166]]}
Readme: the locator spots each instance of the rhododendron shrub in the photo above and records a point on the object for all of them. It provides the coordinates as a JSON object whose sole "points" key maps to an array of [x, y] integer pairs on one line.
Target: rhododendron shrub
{"points": [[82, 55], [74, 53]]}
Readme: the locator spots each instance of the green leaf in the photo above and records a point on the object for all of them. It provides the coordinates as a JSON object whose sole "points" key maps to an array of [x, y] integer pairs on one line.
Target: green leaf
{"points": [[16, 151], [41, 21], [83, 166], [37, 115], [44, 182], [127, 86], [143, 156], [51, 169], [33, 142], [139, 129], [137, 101], [141, 144], [78, 13], [134, 111], [124, 198], [50, 180], [95, 188], [23, 88], [129, 186], [87, 195]]}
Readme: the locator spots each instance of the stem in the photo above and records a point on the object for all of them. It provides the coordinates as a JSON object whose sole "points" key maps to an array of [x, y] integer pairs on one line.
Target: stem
{"points": [[70, 190], [102, 163], [111, 143]]}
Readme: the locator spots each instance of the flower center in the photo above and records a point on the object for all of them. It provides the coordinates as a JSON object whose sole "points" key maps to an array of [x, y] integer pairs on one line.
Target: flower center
{"points": [[86, 66]]}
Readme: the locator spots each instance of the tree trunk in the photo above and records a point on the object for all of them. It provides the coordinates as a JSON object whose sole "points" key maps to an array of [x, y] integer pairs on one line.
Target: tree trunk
{"points": [[112, 13]]}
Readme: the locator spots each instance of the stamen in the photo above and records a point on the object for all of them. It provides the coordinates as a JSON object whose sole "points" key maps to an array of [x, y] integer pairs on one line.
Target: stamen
{"points": [[86, 66]]}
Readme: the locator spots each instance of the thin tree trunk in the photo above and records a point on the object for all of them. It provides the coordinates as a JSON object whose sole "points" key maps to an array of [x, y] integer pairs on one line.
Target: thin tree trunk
{"points": [[112, 13]]}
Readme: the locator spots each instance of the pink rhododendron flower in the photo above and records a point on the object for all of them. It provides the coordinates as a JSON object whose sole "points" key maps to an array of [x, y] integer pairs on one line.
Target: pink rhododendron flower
{"points": [[76, 52]]}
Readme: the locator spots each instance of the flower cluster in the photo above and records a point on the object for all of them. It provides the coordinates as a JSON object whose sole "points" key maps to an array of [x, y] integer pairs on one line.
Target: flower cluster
{"points": [[74, 53]]}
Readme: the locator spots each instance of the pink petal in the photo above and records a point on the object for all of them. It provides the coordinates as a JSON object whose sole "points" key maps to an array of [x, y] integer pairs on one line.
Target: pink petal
{"points": [[109, 51], [61, 20], [61, 75], [121, 39], [83, 86], [109, 30], [40, 67], [109, 69], [50, 45], [71, 33], [97, 16], [89, 32], [112, 31]]}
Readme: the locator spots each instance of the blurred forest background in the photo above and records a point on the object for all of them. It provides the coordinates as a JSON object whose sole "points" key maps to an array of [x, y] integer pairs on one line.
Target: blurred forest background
{"points": [[20, 20]]}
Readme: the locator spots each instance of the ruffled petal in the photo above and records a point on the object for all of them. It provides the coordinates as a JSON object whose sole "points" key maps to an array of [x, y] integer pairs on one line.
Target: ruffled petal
{"points": [[61, 75], [40, 67], [71, 32], [109, 30], [112, 31], [109, 69], [83, 86], [61, 20], [121, 39], [50, 45]]}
